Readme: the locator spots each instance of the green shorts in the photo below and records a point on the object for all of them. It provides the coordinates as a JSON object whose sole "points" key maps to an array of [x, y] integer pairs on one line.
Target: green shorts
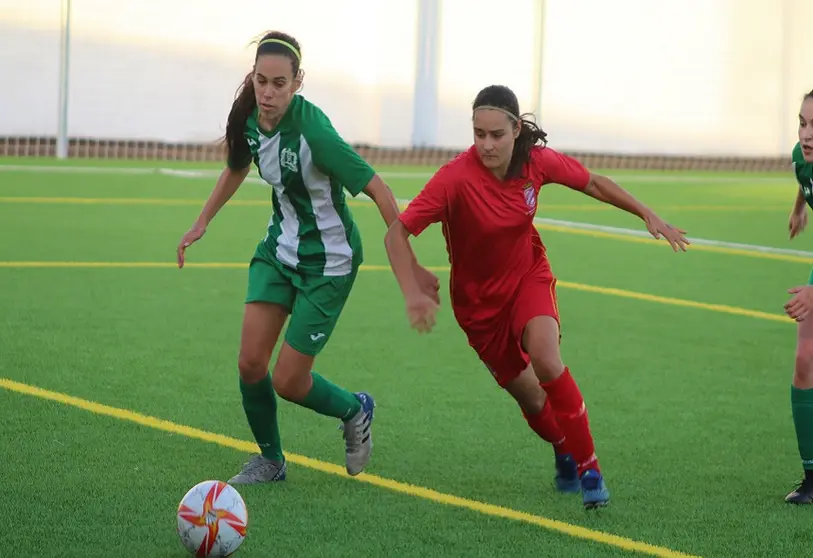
{"points": [[314, 302], [810, 278]]}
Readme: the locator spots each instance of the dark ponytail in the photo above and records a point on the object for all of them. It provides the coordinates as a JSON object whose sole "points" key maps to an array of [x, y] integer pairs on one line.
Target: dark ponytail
{"points": [[530, 135], [244, 103]]}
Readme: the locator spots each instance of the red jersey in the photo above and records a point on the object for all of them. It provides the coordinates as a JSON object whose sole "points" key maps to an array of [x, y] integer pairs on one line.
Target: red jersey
{"points": [[488, 225]]}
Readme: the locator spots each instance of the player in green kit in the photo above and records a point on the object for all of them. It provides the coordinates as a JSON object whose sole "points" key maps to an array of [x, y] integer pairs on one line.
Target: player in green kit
{"points": [[306, 265], [799, 308]]}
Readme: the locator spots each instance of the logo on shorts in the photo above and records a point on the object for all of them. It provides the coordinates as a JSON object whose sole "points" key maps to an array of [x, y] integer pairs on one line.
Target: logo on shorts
{"points": [[316, 336], [530, 198]]}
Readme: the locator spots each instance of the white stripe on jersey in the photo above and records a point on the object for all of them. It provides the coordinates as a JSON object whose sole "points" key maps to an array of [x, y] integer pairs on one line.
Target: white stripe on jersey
{"points": [[269, 163], [338, 253]]}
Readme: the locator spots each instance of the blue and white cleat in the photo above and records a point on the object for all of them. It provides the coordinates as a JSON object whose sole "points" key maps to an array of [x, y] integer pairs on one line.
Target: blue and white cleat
{"points": [[594, 491], [358, 435], [567, 474]]}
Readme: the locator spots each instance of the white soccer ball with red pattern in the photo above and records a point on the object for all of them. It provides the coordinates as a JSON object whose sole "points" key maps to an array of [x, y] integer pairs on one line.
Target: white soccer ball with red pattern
{"points": [[212, 519]]}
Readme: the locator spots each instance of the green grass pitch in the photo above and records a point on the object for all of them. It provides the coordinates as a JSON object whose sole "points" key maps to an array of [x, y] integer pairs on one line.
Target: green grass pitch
{"points": [[689, 404]]}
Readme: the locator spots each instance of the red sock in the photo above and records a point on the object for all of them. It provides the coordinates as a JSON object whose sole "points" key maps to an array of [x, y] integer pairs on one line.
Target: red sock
{"points": [[571, 413], [545, 425]]}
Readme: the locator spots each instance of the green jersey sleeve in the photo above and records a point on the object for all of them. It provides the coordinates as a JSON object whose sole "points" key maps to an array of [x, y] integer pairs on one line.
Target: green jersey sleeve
{"points": [[331, 154]]}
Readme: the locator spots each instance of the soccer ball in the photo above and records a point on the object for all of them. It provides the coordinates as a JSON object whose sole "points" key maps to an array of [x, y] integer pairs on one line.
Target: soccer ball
{"points": [[212, 519]]}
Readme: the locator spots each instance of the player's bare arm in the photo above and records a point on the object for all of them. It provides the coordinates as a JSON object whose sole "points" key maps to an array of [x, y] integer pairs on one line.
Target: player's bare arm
{"points": [[227, 184], [607, 191], [800, 305], [382, 195], [798, 215], [421, 307]]}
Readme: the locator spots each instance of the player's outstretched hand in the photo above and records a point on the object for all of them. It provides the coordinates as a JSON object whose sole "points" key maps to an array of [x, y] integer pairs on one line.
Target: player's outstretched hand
{"points": [[428, 282], [800, 305], [192, 235], [421, 310], [658, 228], [797, 222]]}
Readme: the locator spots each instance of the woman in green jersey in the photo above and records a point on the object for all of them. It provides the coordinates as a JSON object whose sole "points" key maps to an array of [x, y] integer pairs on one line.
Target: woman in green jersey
{"points": [[799, 308], [307, 262]]}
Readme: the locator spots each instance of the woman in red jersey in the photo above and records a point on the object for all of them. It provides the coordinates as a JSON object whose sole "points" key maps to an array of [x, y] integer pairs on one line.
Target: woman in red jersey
{"points": [[503, 291]]}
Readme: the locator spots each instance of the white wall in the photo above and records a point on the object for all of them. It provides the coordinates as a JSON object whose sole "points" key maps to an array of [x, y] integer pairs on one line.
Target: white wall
{"points": [[653, 76], [172, 76]]}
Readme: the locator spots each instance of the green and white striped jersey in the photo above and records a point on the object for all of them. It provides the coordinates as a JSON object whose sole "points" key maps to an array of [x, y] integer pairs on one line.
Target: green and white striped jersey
{"points": [[308, 164]]}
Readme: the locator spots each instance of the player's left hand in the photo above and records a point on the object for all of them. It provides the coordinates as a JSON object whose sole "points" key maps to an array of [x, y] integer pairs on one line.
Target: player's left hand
{"points": [[797, 222], [658, 228], [421, 310], [428, 281], [192, 235], [800, 305]]}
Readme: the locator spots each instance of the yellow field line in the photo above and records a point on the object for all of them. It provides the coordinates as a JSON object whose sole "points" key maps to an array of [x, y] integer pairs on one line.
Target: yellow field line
{"points": [[720, 308], [119, 201], [575, 531], [118, 265]]}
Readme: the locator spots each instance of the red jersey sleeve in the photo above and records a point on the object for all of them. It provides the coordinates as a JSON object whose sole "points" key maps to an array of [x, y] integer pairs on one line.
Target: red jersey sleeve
{"points": [[559, 168], [431, 205]]}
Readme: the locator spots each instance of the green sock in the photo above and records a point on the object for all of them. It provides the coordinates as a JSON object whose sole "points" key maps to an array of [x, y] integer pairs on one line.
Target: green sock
{"points": [[260, 405], [802, 404], [331, 400]]}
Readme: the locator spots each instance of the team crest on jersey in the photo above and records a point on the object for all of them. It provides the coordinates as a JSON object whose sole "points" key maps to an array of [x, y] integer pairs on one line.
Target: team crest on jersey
{"points": [[288, 160], [530, 198]]}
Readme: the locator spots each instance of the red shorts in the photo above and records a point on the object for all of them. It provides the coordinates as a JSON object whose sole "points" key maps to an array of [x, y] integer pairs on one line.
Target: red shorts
{"points": [[499, 343]]}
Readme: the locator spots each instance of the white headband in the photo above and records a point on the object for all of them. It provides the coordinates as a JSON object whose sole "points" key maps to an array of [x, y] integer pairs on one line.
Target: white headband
{"points": [[502, 110]]}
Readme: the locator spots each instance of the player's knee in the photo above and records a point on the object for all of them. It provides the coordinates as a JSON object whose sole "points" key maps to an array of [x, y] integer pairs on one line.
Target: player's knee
{"points": [[289, 385], [282, 385], [547, 367], [252, 368], [803, 370], [541, 341], [291, 377], [533, 403]]}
